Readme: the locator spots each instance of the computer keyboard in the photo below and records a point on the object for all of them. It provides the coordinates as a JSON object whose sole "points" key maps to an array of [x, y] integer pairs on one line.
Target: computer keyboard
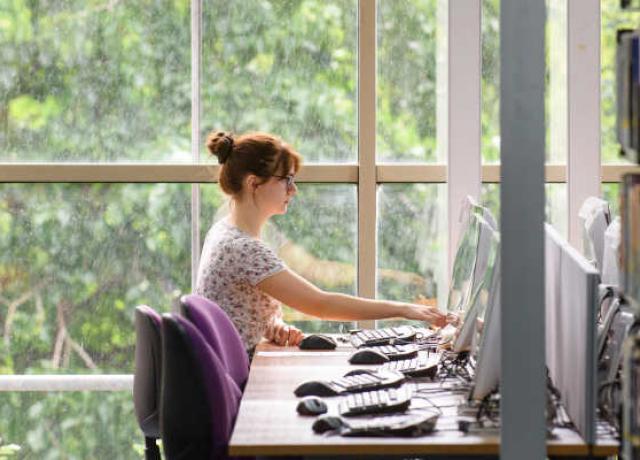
{"points": [[406, 425], [414, 367], [353, 382], [376, 402], [372, 337], [396, 352]]}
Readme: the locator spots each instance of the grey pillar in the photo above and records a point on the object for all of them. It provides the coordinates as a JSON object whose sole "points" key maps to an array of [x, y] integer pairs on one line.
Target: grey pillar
{"points": [[522, 216]]}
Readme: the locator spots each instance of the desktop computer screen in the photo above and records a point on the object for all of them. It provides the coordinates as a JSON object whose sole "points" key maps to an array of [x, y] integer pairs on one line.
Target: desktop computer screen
{"points": [[488, 349], [571, 293], [594, 219], [463, 264], [470, 262], [488, 250]]}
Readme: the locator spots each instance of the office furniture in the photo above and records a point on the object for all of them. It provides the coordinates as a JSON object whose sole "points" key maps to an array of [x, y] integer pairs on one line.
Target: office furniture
{"points": [[268, 424], [146, 379], [199, 397], [220, 333]]}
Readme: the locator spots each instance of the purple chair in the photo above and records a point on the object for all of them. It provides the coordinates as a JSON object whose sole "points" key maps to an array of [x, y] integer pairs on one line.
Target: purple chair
{"points": [[147, 377], [200, 400], [220, 333]]}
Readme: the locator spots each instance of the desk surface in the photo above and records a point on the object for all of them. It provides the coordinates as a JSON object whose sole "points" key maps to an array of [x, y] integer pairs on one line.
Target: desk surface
{"points": [[268, 423]]}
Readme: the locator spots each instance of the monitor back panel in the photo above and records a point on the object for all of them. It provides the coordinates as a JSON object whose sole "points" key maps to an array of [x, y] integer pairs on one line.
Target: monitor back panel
{"points": [[571, 298]]}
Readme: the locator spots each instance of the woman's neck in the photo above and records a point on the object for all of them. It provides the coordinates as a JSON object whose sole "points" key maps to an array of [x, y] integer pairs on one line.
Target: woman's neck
{"points": [[247, 218]]}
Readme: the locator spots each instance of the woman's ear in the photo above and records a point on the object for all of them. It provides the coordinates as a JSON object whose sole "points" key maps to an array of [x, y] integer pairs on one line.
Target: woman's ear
{"points": [[251, 181]]}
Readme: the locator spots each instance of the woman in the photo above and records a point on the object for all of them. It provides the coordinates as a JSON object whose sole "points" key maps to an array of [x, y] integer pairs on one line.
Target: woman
{"points": [[243, 275]]}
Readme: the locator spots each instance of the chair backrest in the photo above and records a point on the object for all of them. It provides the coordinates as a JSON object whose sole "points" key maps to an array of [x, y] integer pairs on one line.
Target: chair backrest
{"points": [[148, 370], [221, 334], [199, 399]]}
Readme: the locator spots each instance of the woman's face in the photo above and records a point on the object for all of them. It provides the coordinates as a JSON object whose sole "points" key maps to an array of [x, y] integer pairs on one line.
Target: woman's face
{"points": [[273, 196]]}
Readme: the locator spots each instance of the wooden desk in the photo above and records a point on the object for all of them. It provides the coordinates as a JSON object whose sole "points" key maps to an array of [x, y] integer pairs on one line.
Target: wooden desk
{"points": [[268, 423]]}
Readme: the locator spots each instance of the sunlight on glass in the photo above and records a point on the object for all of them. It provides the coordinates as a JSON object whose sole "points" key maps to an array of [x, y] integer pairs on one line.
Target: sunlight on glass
{"points": [[95, 81], [556, 87], [555, 203], [411, 243], [70, 425], [490, 104], [75, 261], [406, 84], [286, 67], [611, 193]]}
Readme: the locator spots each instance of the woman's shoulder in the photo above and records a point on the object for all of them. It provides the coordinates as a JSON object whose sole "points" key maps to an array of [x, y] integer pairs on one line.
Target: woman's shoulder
{"points": [[224, 235]]}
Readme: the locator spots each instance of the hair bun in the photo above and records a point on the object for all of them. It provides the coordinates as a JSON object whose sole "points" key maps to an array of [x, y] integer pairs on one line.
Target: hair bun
{"points": [[220, 144]]}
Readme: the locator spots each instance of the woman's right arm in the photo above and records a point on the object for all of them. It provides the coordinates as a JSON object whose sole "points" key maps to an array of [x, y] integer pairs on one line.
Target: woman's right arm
{"points": [[291, 289]]}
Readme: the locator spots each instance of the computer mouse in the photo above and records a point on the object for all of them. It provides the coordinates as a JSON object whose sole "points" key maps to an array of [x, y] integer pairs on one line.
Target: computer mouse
{"points": [[311, 405], [317, 342], [327, 423], [368, 356], [353, 372], [314, 388]]}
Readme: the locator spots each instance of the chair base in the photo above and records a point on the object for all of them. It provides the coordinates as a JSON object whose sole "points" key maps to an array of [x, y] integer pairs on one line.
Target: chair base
{"points": [[151, 450]]}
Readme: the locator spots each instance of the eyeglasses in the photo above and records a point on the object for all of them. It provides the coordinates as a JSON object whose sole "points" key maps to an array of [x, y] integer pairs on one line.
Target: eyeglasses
{"points": [[289, 178]]}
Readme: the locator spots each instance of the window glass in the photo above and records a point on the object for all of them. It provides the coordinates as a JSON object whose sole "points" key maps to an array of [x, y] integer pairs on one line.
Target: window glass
{"points": [[70, 425], [556, 115], [411, 243], [490, 104], [406, 83], [611, 193], [317, 239], [612, 19], [75, 261], [95, 81], [555, 206], [555, 82], [287, 67]]}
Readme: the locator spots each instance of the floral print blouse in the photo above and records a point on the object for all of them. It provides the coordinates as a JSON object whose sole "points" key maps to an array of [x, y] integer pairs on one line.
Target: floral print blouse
{"points": [[232, 263]]}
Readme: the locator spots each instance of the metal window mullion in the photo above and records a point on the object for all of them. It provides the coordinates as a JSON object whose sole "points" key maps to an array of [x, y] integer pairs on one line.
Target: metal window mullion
{"points": [[522, 131], [583, 157], [202, 173], [196, 110], [614, 173], [367, 209], [151, 173], [69, 382], [463, 117]]}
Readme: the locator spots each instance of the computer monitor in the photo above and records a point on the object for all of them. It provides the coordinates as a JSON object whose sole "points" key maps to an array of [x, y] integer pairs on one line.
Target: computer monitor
{"points": [[571, 293], [630, 238], [471, 206], [471, 256], [488, 338], [594, 218], [463, 264], [489, 246]]}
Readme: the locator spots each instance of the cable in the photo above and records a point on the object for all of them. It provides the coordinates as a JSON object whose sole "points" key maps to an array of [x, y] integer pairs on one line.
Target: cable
{"points": [[438, 408]]}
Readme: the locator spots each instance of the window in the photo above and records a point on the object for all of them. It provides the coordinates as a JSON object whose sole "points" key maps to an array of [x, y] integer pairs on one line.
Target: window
{"points": [[295, 77], [411, 258], [406, 86], [95, 81]]}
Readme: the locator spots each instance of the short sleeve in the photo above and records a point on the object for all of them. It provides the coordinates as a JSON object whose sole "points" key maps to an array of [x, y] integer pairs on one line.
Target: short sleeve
{"points": [[257, 261]]}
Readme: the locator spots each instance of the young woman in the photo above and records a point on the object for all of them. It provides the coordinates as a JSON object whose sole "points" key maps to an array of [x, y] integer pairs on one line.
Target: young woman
{"points": [[243, 275]]}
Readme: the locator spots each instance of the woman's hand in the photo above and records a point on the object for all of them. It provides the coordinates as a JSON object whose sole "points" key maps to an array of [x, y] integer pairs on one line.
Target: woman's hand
{"points": [[427, 313], [282, 334]]}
